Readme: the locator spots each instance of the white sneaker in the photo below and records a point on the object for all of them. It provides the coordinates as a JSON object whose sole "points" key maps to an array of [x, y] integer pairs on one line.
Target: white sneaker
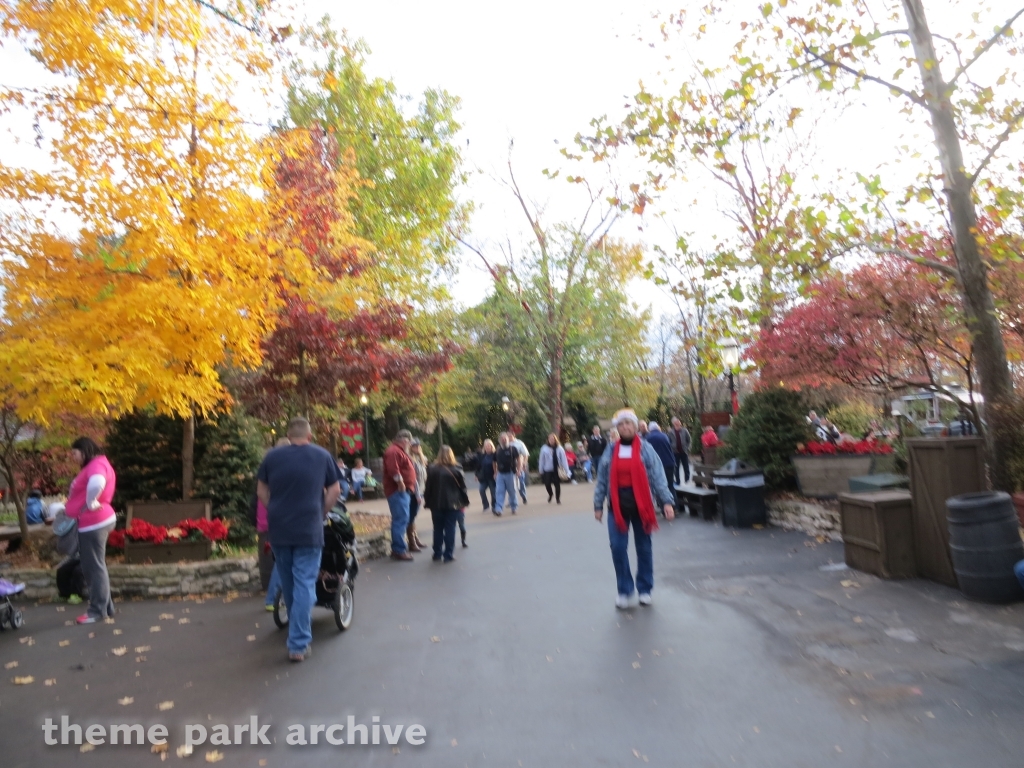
{"points": [[622, 602], [645, 598]]}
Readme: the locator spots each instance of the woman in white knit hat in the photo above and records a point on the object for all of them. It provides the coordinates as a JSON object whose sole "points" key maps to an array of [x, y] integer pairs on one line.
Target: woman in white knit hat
{"points": [[631, 478]]}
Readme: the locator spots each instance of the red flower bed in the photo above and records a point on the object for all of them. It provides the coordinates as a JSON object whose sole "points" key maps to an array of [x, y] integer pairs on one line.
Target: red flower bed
{"points": [[186, 530], [846, 447]]}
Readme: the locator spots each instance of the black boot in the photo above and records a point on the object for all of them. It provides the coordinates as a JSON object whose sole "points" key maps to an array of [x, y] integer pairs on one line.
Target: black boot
{"points": [[464, 544]]}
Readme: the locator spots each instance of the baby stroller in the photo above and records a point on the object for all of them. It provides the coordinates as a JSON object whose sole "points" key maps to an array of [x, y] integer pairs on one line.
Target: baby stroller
{"points": [[9, 615], [338, 569]]}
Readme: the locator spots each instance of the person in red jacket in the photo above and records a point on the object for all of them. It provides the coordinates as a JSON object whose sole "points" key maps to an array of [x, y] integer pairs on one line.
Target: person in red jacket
{"points": [[399, 483]]}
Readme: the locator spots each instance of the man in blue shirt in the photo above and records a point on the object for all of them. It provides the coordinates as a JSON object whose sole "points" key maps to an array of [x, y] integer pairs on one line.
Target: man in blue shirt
{"points": [[298, 484]]}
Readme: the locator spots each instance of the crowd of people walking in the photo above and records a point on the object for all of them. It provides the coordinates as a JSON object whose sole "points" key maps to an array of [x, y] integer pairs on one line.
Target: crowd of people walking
{"points": [[299, 482]]}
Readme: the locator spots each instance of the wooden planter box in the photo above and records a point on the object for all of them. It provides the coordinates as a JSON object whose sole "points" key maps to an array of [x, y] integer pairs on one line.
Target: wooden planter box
{"points": [[168, 552], [168, 513], [825, 477]]}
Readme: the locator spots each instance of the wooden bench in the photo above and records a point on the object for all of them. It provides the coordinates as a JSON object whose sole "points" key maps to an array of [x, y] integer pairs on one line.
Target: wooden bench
{"points": [[700, 502], [8, 532], [702, 474]]}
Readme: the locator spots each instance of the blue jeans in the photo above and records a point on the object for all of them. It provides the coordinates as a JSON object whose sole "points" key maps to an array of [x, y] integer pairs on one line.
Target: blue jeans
{"points": [[297, 568], [398, 503], [444, 531], [620, 556], [344, 489], [1019, 570], [521, 484], [505, 482], [486, 485], [357, 487], [273, 586]]}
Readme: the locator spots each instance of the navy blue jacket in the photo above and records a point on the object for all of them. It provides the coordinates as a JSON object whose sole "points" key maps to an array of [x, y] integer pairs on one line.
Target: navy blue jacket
{"points": [[663, 447]]}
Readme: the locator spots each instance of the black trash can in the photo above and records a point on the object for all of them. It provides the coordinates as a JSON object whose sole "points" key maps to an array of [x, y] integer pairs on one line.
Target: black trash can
{"points": [[740, 489]]}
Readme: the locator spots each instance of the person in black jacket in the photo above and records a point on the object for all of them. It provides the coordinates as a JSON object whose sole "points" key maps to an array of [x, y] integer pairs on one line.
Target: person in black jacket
{"points": [[485, 473], [445, 495], [596, 444]]}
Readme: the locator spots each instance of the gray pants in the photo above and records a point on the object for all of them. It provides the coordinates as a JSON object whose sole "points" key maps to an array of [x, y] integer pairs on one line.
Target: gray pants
{"points": [[92, 548]]}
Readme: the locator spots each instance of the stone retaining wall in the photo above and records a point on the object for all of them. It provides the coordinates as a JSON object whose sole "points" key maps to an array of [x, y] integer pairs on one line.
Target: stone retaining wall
{"points": [[806, 516], [214, 577]]}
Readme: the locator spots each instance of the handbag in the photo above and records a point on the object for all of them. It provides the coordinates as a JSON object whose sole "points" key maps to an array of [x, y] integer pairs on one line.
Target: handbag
{"points": [[463, 495], [66, 530], [562, 474]]}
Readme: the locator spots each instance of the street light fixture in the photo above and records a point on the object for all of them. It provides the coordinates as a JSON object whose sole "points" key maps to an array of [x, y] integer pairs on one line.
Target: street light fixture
{"points": [[506, 406], [730, 351], [365, 401]]}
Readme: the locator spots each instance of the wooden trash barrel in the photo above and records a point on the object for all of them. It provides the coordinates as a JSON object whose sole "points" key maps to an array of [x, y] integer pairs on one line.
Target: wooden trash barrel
{"points": [[985, 545]]}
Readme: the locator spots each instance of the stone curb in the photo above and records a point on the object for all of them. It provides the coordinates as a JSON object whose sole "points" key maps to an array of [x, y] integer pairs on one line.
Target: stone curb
{"points": [[211, 577]]}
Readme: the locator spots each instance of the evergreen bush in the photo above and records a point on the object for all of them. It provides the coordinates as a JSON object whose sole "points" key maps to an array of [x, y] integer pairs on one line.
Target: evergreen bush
{"points": [[226, 474], [766, 433]]}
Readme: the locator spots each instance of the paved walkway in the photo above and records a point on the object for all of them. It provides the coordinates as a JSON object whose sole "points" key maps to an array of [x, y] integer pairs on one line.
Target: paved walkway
{"points": [[515, 656]]}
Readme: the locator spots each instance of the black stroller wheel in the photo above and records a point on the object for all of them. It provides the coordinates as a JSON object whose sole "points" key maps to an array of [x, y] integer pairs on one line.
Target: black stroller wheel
{"points": [[17, 620], [280, 611], [344, 606]]}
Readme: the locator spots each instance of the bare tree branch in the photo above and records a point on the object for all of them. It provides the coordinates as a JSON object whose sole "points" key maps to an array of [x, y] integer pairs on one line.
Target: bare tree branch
{"points": [[916, 98], [984, 48], [1003, 137]]}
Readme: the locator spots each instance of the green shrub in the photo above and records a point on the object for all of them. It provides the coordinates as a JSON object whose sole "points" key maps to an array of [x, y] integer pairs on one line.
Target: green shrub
{"points": [[766, 432], [853, 417], [226, 473]]}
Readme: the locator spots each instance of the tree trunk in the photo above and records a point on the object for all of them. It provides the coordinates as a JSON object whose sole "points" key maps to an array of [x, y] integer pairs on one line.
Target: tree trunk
{"points": [[188, 454], [555, 389], [995, 382], [391, 420]]}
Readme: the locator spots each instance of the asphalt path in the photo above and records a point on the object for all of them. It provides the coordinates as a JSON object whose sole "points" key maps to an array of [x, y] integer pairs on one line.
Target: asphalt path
{"points": [[513, 655]]}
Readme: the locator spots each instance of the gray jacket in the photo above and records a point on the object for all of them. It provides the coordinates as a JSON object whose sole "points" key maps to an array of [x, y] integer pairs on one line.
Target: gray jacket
{"points": [[660, 491]]}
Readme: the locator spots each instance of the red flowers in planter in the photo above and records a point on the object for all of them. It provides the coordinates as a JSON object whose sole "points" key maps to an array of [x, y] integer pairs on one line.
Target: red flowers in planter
{"points": [[845, 447], [186, 530]]}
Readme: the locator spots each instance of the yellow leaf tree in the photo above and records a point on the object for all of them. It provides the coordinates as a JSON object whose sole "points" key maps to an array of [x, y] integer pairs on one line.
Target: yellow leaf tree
{"points": [[137, 268]]}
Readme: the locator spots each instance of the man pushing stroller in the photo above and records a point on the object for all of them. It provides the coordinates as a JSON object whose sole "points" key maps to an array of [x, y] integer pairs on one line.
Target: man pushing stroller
{"points": [[298, 484]]}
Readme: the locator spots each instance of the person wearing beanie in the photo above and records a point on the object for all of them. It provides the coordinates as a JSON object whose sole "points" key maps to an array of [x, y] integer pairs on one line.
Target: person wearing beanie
{"points": [[632, 480]]}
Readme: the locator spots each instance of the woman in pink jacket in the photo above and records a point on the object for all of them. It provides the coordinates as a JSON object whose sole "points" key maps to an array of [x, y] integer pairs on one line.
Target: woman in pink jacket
{"points": [[89, 503]]}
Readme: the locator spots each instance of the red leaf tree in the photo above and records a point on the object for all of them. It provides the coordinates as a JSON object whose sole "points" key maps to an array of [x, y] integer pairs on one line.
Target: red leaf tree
{"points": [[887, 325]]}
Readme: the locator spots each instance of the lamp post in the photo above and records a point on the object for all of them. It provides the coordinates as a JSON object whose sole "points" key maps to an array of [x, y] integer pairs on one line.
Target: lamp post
{"points": [[506, 406], [730, 359], [365, 401]]}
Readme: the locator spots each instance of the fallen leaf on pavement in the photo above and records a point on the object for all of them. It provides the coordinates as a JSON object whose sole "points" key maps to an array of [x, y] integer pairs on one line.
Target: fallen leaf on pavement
{"points": [[64, 643], [250, 638], [86, 748], [636, 665], [27, 680], [154, 629], [120, 632], [10, 665], [184, 750], [183, 621], [214, 757], [28, 640], [50, 681], [455, 742], [849, 584], [119, 651], [435, 639], [163, 706], [141, 648], [92, 635], [60, 609], [126, 701], [158, 748], [164, 616], [140, 658]]}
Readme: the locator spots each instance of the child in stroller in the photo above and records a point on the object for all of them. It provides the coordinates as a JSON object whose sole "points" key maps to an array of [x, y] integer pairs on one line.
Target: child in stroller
{"points": [[338, 569], [9, 615]]}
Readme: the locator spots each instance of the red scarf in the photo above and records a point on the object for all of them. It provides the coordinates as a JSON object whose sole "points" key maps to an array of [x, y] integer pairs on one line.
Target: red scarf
{"points": [[641, 489]]}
